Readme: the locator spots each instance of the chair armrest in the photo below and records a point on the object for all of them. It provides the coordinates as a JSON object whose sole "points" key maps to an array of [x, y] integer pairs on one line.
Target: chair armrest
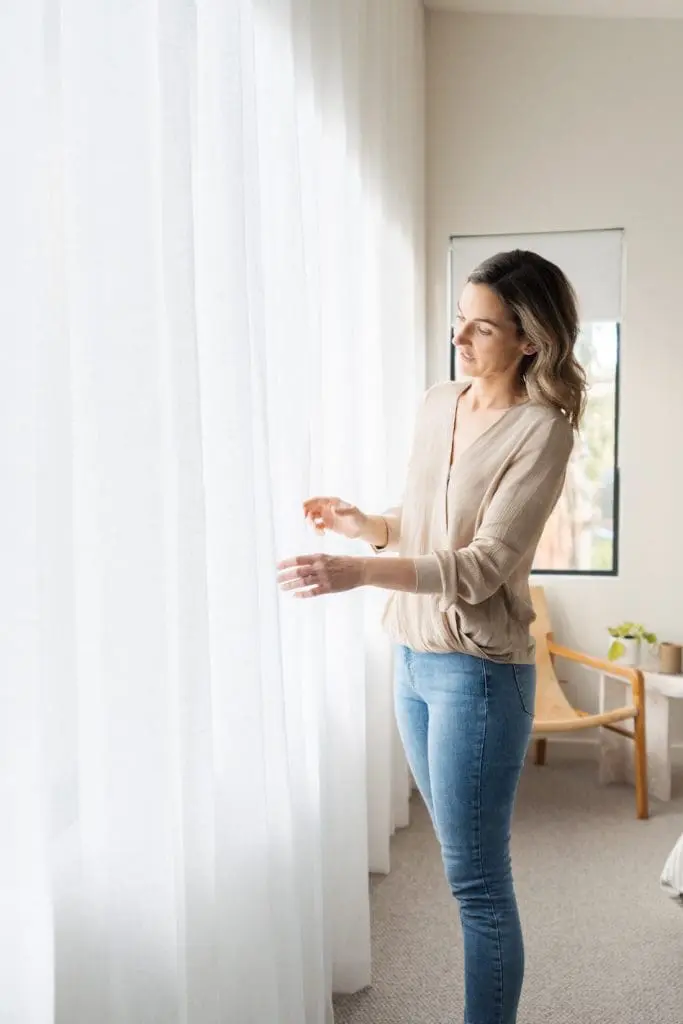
{"points": [[631, 675]]}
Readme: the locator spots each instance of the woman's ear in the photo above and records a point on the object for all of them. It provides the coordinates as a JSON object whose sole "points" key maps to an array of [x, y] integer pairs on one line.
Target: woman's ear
{"points": [[528, 349]]}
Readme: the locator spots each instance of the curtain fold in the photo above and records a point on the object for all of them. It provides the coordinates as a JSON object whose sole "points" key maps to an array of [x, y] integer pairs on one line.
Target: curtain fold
{"points": [[212, 253]]}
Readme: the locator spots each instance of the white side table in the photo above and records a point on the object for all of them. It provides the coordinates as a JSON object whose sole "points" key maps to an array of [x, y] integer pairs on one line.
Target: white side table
{"points": [[616, 752]]}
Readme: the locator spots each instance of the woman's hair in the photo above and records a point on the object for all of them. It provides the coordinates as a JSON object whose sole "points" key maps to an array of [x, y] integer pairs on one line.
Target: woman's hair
{"points": [[544, 307]]}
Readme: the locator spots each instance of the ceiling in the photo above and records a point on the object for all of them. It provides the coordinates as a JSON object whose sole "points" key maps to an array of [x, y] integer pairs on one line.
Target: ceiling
{"points": [[580, 8]]}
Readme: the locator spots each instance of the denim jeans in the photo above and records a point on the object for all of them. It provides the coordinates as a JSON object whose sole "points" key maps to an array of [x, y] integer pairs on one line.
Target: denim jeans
{"points": [[465, 724]]}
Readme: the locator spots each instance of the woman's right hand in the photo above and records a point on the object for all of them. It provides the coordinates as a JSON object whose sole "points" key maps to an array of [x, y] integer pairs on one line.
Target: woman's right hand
{"points": [[337, 515]]}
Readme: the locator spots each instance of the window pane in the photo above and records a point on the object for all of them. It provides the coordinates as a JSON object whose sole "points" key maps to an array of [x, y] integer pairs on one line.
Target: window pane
{"points": [[579, 536]]}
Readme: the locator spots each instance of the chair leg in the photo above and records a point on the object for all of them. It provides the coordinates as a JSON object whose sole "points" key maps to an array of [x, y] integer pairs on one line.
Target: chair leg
{"points": [[541, 751], [642, 804]]}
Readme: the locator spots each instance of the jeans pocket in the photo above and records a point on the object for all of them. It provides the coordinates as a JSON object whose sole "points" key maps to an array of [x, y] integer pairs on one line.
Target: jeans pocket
{"points": [[525, 681]]}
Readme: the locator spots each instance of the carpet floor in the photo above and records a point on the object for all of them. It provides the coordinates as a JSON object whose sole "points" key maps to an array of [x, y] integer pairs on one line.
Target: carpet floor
{"points": [[603, 944]]}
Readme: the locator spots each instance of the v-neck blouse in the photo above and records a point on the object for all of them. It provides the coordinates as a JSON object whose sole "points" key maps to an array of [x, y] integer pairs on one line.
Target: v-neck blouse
{"points": [[455, 454], [473, 527]]}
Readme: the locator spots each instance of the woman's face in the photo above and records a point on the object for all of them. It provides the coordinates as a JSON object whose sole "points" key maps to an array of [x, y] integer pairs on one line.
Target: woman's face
{"points": [[485, 335]]}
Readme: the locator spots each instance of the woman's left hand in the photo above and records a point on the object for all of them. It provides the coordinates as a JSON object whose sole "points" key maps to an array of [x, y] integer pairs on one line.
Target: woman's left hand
{"points": [[315, 575]]}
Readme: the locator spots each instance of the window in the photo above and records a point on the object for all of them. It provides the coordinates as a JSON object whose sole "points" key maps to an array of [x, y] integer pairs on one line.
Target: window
{"points": [[581, 536]]}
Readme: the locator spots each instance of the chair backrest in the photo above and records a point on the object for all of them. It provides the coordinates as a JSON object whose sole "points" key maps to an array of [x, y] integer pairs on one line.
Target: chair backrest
{"points": [[551, 703]]}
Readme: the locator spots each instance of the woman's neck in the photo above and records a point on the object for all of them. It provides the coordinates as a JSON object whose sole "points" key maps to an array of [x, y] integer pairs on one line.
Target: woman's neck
{"points": [[489, 393]]}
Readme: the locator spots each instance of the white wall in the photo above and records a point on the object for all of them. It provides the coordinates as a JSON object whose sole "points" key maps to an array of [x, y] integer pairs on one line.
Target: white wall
{"points": [[556, 124]]}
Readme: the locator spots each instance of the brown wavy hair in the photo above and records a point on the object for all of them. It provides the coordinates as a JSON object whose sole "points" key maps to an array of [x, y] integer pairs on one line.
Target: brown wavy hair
{"points": [[544, 308]]}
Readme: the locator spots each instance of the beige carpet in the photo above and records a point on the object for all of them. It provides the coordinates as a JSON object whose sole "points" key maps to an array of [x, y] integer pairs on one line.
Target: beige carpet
{"points": [[604, 945]]}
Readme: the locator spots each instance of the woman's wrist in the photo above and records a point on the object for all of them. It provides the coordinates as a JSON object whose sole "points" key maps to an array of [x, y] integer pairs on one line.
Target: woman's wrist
{"points": [[375, 531]]}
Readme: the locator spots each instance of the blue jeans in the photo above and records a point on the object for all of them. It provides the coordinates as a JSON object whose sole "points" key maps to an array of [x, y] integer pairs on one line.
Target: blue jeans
{"points": [[465, 724]]}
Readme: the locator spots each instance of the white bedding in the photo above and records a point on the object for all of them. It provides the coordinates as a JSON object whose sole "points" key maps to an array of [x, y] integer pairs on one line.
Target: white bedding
{"points": [[672, 875]]}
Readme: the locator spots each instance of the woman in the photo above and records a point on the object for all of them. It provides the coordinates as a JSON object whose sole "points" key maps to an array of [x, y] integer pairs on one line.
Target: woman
{"points": [[488, 464]]}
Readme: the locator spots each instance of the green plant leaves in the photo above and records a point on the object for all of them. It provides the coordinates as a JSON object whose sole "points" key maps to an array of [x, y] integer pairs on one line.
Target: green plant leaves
{"points": [[632, 631], [616, 650]]}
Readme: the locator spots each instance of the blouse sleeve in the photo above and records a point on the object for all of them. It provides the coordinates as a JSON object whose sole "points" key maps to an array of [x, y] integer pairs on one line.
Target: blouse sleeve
{"points": [[511, 526], [393, 516]]}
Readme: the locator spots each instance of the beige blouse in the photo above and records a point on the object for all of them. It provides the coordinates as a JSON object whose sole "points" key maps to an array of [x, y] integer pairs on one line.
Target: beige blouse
{"points": [[473, 528]]}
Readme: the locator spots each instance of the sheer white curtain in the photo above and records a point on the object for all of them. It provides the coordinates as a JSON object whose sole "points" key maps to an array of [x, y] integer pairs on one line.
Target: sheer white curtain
{"points": [[211, 255]]}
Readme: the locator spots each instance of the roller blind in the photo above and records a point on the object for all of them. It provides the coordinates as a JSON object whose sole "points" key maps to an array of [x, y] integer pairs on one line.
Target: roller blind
{"points": [[592, 260]]}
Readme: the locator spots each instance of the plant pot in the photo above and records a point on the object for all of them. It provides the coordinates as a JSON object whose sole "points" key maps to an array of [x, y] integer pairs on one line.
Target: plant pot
{"points": [[629, 651]]}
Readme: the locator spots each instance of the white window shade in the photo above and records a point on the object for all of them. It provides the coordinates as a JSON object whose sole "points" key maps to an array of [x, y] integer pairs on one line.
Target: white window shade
{"points": [[592, 260]]}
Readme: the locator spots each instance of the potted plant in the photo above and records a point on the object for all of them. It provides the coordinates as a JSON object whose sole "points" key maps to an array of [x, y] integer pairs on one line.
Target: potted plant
{"points": [[626, 642]]}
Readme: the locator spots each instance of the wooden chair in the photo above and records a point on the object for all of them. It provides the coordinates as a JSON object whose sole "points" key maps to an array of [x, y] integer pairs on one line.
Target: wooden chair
{"points": [[554, 713]]}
